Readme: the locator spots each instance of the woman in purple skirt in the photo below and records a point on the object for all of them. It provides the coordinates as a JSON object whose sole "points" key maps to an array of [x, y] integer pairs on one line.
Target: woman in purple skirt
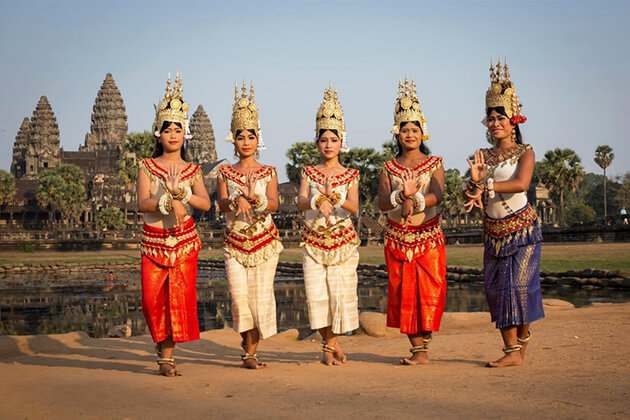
{"points": [[512, 239]]}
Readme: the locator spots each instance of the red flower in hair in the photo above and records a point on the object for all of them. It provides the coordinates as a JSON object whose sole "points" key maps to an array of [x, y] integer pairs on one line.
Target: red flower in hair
{"points": [[518, 119]]}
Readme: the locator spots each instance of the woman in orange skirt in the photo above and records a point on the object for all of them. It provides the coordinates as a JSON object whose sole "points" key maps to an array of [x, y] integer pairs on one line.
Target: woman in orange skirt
{"points": [[411, 187], [170, 243]]}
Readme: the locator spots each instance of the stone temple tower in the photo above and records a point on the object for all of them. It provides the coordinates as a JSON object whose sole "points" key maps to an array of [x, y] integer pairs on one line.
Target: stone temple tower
{"points": [[18, 164], [201, 149], [42, 148], [108, 130]]}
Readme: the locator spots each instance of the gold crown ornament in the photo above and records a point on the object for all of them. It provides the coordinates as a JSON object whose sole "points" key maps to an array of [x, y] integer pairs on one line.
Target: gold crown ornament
{"points": [[172, 108], [408, 108], [502, 93], [245, 115], [330, 116]]}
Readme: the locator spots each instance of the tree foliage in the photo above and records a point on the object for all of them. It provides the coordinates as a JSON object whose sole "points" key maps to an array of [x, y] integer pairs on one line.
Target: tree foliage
{"points": [[622, 197], [138, 146], [62, 189], [369, 163], [110, 218], [578, 213], [301, 154], [561, 172], [7, 187], [452, 200]]}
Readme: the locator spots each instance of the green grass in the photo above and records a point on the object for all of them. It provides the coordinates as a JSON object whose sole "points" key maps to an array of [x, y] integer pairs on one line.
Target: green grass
{"points": [[555, 256]]}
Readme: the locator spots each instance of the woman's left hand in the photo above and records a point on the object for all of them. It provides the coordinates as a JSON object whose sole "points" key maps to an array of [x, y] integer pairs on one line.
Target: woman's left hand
{"points": [[475, 200]]}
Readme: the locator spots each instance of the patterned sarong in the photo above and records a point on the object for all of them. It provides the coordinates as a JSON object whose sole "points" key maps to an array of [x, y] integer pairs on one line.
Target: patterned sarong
{"points": [[331, 292], [251, 291], [512, 249]]}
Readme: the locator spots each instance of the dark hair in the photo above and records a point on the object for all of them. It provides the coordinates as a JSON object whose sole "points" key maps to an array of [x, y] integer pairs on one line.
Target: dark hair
{"points": [[423, 147], [323, 130], [501, 110], [158, 150], [250, 130]]}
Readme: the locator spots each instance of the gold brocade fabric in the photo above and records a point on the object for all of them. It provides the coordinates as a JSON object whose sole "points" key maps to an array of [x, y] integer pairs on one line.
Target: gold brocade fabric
{"points": [[511, 229], [168, 247], [156, 173], [493, 159], [409, 242], [345, 180], [253, 245], [331, 245]]}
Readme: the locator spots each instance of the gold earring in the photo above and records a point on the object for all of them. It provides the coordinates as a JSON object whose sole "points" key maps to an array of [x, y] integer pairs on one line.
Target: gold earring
{"points": [[513, 135], [235, 154], [257, 154]]}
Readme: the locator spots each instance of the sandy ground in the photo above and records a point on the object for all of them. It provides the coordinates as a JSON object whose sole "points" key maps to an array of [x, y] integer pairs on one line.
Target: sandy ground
{"points": [[577, 367]]}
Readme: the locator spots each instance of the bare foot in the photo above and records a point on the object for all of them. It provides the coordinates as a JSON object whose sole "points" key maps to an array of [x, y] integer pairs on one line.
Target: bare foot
{"points": [[168, 368], [329, 359], [340, 356], [419, 358], [523, 342], [251, 362], [510, 359]]}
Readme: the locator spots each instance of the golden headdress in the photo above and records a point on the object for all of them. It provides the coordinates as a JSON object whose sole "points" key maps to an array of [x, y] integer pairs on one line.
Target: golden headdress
{"points": [[330, 116], [408, 108], [245, 114], [502, 93], [172, 108]]}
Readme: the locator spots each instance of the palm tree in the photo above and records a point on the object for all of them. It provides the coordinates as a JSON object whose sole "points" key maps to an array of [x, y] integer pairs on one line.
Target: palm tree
{"points": [[604, 157], [561, 171], [453, 200]]}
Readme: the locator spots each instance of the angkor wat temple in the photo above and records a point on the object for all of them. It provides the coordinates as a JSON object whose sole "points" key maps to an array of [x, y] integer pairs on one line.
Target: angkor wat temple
{"points": [[36, 149]]}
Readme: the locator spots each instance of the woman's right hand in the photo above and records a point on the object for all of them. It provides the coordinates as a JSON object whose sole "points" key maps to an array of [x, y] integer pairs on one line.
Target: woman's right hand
{"points": [[326, 209], [478, 167], [179, 211], [244, 208], [406, 212]]}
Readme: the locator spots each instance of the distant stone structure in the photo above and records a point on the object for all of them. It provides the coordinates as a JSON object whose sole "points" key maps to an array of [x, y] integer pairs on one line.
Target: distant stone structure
{"points": [[36, 145], [37, 148], [201, 149]]}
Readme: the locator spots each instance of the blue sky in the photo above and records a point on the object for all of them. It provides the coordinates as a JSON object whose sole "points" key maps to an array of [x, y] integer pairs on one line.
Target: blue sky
{"points": [[568, 59]]}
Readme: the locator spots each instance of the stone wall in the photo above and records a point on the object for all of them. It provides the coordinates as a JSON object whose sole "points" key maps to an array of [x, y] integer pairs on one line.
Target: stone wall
{"points": [[613, 279]]}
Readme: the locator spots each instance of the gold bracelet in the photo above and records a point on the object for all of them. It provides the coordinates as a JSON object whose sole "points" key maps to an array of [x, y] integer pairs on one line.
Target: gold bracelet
{"points": [[334, 198], [181, 194], [320, 200]]}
